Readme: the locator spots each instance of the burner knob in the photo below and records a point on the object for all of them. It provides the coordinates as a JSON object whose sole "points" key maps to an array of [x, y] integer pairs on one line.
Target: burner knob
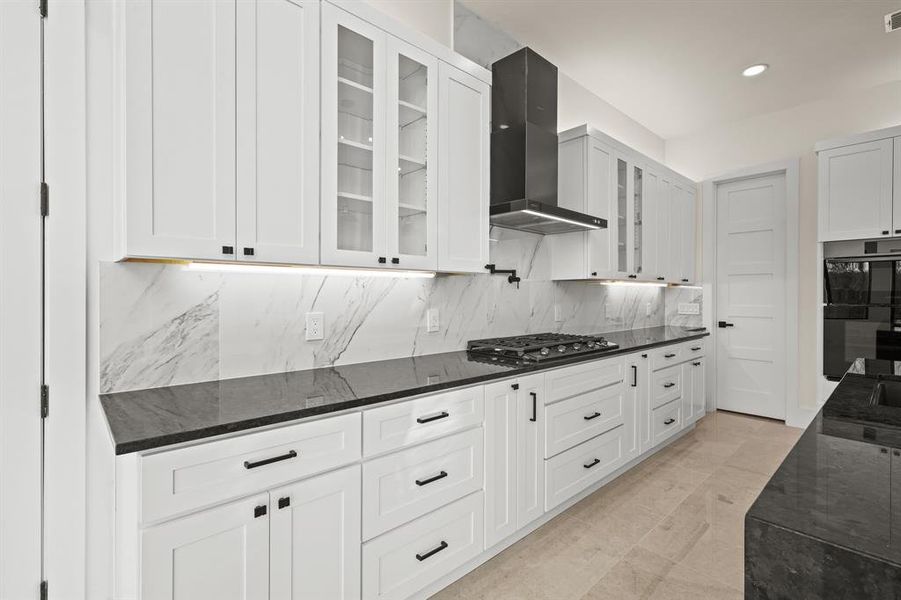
{"points": [[576, 346], [544, 351], [561, 348]]}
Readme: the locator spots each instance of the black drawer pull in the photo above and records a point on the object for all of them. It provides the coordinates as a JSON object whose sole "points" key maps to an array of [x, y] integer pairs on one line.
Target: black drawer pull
{"points": [[697, 364], [441, 415], [259, 511], [669, 421], [269, 461], [594, 416], [441, 475], [284, 502], [696, 348], [634, 375], [669, 385], [668, 355], [592, 463], [534, 406], [432, 552], [660, 278]]}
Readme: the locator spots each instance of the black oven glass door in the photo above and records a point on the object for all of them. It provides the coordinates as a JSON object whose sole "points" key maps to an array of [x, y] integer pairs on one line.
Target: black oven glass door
{"points": [[850, 332], [862, 282]]}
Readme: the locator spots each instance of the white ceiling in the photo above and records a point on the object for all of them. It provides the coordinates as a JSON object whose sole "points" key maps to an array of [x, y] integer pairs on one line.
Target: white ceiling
{"points": [[675, 66]]}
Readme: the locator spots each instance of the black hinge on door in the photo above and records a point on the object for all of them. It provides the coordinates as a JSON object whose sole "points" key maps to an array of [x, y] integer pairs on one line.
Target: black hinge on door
{"points": [[45, 199], [45, 401], [44, 591], [42, 8]]}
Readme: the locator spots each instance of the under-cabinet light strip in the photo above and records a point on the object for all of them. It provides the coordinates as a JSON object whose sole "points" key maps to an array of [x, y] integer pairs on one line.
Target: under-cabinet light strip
{"points": [[320, 271], [555, 218], [634, 283]]}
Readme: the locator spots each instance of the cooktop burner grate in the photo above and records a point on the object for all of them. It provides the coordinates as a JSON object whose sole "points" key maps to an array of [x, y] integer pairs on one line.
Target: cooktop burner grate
{"points": [[540, 346]]}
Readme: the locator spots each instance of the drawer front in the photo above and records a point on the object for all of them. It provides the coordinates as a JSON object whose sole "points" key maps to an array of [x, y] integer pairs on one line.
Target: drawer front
{"points": [[578, 379], [572, 421], [569, 473], [666, 356], [666, 385], [693, 349], [666, 421], [406, 423], [402, 486], [176, 481], [403, 561]]}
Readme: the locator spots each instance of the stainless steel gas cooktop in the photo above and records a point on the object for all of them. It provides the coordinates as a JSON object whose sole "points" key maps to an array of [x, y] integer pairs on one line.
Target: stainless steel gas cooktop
{"points": [[540, 346]]}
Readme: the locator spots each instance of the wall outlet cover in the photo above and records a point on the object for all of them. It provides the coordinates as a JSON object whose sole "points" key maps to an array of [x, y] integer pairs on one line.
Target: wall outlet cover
{"points": [[315, 329], [689, 308], [433, 322]]}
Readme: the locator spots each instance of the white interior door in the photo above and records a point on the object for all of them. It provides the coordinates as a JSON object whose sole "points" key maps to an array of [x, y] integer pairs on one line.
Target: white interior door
{"points": [[751, 302]]}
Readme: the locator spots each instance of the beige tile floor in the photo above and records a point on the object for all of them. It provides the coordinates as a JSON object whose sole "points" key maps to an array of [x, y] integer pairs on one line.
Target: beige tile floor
{"points": [[672, 527]]}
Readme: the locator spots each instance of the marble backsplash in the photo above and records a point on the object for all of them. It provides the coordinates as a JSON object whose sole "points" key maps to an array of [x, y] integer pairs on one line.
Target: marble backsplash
{"points": [[162, 324]]}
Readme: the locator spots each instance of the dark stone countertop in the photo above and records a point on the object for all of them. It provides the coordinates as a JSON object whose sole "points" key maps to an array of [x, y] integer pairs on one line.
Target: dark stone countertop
{"points": [[146, 419], [828, 523]]}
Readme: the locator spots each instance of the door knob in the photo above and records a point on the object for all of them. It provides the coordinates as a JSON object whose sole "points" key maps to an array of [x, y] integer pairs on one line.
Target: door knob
{"points": [[724, 324]]}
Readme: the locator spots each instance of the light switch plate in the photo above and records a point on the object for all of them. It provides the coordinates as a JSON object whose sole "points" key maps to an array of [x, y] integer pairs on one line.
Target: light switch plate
{"points": [[433, 321], [689, 308], [315, 329]]}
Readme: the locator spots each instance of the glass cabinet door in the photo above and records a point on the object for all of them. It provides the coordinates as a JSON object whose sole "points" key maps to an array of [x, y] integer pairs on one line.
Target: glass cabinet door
{"points": [[353, 140], [637, 219], [412, 181], [622, 208]]}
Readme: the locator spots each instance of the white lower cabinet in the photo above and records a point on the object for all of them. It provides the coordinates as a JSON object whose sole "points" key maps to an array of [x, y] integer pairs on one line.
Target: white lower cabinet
{"points": [[579, 468], [405, 560], [693, 397], [666, 421]]}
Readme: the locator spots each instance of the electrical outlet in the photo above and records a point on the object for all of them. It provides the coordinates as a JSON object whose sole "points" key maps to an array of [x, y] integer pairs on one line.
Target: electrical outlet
{"points": [[432, 320], [647, 309], [315, 326], [558, 313], [689, 308]]}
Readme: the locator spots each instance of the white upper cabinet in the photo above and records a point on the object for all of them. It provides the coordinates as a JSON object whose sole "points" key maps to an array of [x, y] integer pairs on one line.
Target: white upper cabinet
{"points": [[278, 126], [221, 124], [179, 129], [650, 213], [464, 116], [855, 192]]}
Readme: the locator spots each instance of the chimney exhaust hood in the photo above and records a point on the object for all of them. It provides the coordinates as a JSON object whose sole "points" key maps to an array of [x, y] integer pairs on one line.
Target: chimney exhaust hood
{"points": [[524, 149]]}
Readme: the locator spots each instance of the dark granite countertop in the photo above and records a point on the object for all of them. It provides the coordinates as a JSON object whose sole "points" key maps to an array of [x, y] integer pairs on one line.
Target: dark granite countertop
{"points": [[145, 419], [841, 482]]}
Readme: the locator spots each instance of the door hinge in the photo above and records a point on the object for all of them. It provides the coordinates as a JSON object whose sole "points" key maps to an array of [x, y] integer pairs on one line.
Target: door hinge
{"points": [[44, 591], [42, 8], [45, 401], [45, 199]]}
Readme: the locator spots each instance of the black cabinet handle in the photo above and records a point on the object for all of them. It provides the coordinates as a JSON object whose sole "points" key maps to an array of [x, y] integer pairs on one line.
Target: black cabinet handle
{"points": [[885, 232], [228, 249], [422, 482], [660, 278], [514, 386], [432, 552], [684, 280], [594, 273], [248, 251], [697, 364], [633, 276], [634, 375], [592, 463], [898, 231], [284, 502], [669, 421], [395, 261], [592, 416], [269, 461], [259, 511], [668, 355], [534, 406], [669, 385], [382, 260], [725, 324], [696, 348], [441, 415]]}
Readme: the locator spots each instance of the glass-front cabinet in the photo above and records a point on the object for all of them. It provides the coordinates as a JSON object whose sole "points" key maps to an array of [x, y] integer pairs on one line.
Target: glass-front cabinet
{"points": [[377, 190], [630, 226]]}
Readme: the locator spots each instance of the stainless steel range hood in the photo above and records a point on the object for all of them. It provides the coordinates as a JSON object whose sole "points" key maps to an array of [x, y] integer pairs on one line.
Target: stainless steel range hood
{"points": [[524, 149]]}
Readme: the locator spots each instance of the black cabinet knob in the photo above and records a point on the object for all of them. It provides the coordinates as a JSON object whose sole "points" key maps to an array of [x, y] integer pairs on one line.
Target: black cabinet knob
{"points": [[382, 260], [284, 502], [885, 232], [594, 273], [228, 249], [684, 281], [248, 251], [259, 511], [395, 261]]}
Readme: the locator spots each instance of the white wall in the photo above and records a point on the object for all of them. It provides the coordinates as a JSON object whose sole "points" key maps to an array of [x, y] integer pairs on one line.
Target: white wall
{"points": [[788, 134]]}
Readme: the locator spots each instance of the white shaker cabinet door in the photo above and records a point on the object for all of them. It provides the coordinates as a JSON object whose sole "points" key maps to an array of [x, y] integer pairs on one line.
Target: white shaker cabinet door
{"points": [[278, 131], [855, 191], [179, 129], [315, 539], [218, 554], [464, 113], [529, 450], [500, 461]]}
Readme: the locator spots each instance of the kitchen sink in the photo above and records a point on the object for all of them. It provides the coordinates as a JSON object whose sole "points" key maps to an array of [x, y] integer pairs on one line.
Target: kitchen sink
{"points": [[886, 392]]}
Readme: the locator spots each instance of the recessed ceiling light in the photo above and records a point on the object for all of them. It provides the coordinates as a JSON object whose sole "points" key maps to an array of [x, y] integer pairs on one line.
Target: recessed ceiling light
{"points": [[755, 70]]}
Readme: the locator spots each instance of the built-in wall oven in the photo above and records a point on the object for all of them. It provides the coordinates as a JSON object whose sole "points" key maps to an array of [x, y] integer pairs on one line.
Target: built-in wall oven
{"points": [[862, 312]]}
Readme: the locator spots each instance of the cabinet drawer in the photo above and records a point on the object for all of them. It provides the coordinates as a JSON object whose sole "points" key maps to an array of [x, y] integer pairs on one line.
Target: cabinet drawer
{"points": [[693, 349], [407, 484], [176, 481], [390, 427], [580, 418], [666, 385], [666, 356], [578, 379], [666, 421], [569, 473], [403, 561]]}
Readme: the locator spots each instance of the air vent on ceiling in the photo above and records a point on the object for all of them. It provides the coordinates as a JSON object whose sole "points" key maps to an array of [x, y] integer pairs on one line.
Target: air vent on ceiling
{"points": [[893, 21]]}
